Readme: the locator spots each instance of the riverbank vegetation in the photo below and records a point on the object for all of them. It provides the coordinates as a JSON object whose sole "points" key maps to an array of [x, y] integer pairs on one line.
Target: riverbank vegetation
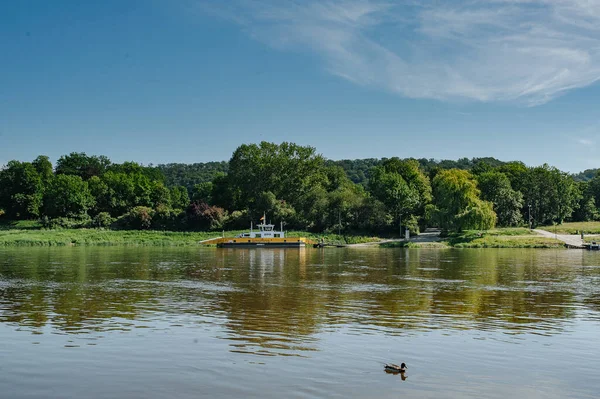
{"points": [[591, 227], [493, 238], [296, 186]]}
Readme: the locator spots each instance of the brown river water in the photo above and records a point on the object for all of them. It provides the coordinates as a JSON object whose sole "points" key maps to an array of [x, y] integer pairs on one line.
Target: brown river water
{"points": [[118, 322]]}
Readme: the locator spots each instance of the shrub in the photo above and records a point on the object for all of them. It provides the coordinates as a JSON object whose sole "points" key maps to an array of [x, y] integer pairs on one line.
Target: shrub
{"points": [[202, 216], [237, 220], [138, 218], [80, 222], [103, 219], [166, 218]]}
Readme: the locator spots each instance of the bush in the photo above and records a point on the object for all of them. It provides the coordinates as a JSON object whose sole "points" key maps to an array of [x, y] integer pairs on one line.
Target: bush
{"points": [[202, 216], [80, 222], [237, 220], [139, 218], [166, 218], [103, 219]]}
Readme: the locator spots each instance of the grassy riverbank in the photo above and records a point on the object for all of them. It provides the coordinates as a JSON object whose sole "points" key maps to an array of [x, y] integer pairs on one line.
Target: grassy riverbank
{"points": [[495, 238], [574, 228], [28, 234]]}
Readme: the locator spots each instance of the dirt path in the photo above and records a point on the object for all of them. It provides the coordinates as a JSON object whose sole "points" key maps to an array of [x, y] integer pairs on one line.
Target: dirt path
{"points": [[573, 240], [430, 235]]}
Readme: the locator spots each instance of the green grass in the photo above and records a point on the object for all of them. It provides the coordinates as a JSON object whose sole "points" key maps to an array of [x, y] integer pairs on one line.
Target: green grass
{"points": [[409, 244], [28, 235], [519, 237], [510, 242], [65, 237], [495, 238], [574, 228], [20, 225]]}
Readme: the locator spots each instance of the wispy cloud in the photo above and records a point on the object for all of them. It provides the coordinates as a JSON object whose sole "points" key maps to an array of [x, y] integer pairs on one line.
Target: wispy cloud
{"points": [[586, 142], [529, 51]]}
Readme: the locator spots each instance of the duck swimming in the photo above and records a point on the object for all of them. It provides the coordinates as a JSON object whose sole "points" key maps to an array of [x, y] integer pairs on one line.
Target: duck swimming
{"points": [[394, 368]]}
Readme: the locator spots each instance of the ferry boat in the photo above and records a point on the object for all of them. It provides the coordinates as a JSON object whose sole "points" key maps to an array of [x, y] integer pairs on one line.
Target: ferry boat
{"points": [[265, 237]]}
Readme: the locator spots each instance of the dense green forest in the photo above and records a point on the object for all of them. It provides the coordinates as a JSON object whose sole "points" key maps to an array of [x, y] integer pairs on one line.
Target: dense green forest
{"points": [[297, 186]]}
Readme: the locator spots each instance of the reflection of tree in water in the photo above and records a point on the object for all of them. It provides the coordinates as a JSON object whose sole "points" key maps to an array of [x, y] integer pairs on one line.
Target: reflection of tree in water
{"points": [[276, 301]]}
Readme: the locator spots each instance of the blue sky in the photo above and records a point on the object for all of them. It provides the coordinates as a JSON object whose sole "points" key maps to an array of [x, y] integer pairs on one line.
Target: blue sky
{"points": [[188, 81]]}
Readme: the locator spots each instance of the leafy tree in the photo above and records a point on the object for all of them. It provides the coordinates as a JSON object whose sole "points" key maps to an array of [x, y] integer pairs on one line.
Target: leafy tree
{"points": [[134, 168], [223, 194], [517, 174], [103, 220], [495, 187], [179, 197], [82, 165], [552, 194], [138, 218], [202, 192], [402, 187], [457, 205], [159, 194], [357, 170], [189, 175], [287, 170], [21, 190], [43, 166], [205, 217], [67, 196], [102, 195]]}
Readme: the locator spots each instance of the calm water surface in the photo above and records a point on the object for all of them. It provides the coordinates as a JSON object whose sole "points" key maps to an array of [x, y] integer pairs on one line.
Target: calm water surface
{"points": [[221, 323]]}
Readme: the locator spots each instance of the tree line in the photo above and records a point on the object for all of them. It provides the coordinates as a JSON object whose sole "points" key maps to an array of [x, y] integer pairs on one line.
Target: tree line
{"points": [[295, 185]]}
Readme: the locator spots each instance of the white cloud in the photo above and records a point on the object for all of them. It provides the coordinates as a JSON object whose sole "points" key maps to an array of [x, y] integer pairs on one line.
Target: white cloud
{"points": [[586, 142], [529, 51]]}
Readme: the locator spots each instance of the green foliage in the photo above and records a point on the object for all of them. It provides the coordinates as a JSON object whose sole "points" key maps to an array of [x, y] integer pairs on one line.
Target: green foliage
{"points": [[552, 194], [403, 188], [287, 170], [103, 220], [67, 196], [79, 164], [295, 185], [237, 220], [586, 175], [202, 216], [179, 197], [457, 205], [357, 170], [165, 218], [159, 194], [43, 167], [189, 175], [134, 168], [82, 221], [202, 192], [21, 190], [138, 218], [496, 188], [575, 228]]}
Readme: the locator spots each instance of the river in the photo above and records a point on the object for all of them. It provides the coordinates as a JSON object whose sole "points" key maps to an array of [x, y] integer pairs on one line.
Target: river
{"points": [[118, 322]]}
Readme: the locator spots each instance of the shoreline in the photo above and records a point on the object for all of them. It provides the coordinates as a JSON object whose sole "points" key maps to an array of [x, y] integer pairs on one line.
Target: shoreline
{"points": [[496, 238]]}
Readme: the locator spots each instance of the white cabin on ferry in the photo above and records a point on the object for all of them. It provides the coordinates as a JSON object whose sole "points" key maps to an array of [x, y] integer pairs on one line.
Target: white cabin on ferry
{"points": [[264, 231]]}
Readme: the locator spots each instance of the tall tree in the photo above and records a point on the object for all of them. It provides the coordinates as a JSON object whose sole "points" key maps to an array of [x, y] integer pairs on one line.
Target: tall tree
{"points": [[457, 205], [67, 196], [179, 197], [82, 165], [402, 186], [495, 187], [552, 194], [287, 170], [21, 190]]}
